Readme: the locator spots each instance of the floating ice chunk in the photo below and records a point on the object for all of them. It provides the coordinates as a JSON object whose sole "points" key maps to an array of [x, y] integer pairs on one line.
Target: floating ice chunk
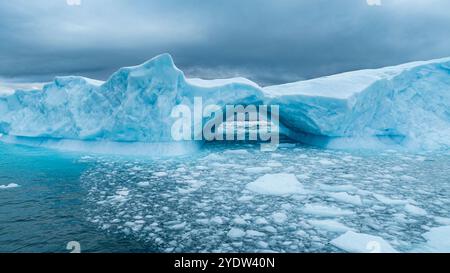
{"points": [[274, 164], [362, 243], [262, 244], [388, 201], [279, 217], [261, 221], [270, 229], [326, 162], [217, 220], [397, 169], [137, 168], [143, 184], [121, 195], [9, 186], [236, 233], [245, 198], [325, 211], [236, 152], [276, 184], [204, 222], [338, 188], [348, 176], [329, 225], [303, 176], [195, 185], [346, 198], [407, 178], [438, 240], [239, 221], [213, 157], [415, 210], [255, 170], [442, 220], [254, 233], [178, 226], [160, 174]]}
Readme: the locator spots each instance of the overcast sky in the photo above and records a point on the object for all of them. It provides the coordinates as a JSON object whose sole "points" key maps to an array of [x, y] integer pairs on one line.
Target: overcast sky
{"points": [[268, 41]]}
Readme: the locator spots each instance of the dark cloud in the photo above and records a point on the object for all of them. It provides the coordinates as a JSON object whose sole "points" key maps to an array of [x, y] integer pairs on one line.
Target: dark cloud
{"points": [[269, 41]]}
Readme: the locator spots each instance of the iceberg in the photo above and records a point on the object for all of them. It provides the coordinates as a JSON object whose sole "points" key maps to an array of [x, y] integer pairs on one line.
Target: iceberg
{"points": [[134, 105], [406, 105]]}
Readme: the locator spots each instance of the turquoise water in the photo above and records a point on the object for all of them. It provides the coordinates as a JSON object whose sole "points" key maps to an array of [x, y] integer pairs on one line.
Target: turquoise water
{"points": [[191, 203], [46, 211]]}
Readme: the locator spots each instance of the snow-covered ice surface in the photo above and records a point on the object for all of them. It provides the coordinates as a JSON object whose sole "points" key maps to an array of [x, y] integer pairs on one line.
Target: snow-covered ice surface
{"points": [[202, 202], [405, 104]]}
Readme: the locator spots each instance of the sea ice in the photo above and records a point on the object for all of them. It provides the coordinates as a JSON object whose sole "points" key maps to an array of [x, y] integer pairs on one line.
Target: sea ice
{"points": [[9, 186], [346, 198], [236, 233], [279, 217], [438, 239], [325, 211], [415, 210], [389, 201], [276, 184], [362, 243], [329, 225]]}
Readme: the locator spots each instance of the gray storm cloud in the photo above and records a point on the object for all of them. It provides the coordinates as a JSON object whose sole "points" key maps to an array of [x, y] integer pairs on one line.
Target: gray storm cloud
{"points": [[268, 41]]}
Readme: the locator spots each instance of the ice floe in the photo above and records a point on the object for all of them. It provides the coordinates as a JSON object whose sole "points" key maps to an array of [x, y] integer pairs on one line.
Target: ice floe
{"points": [[276, 184], [362, 243]]}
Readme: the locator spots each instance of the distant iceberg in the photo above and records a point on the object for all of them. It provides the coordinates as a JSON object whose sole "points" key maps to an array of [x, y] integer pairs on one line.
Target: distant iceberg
{"points": [[408, 105]]}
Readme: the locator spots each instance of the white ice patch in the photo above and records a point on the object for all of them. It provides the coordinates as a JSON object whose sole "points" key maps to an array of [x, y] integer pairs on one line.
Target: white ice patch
{"points": [[325, 211], [121, 195], [438, 240], [389, 201], [347, 198], [279, 217], [362, 243], [236, 152], [236, 233], [256, 170], [329, 225], [143, 184], [274, 164], [442, 220], [338, 188], [276, 184], [213, 157], [160, 174], [254, 233], [9, 186], [414, 210], [326, 162], [178, 226]]}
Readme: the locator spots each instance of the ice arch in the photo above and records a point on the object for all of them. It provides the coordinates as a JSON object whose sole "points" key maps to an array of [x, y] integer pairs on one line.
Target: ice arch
{"points": [[408, 103]]}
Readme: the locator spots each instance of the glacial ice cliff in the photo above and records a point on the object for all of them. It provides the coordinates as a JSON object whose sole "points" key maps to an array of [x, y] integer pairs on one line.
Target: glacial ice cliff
{"points": [[134, 105], [407, 104]]}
